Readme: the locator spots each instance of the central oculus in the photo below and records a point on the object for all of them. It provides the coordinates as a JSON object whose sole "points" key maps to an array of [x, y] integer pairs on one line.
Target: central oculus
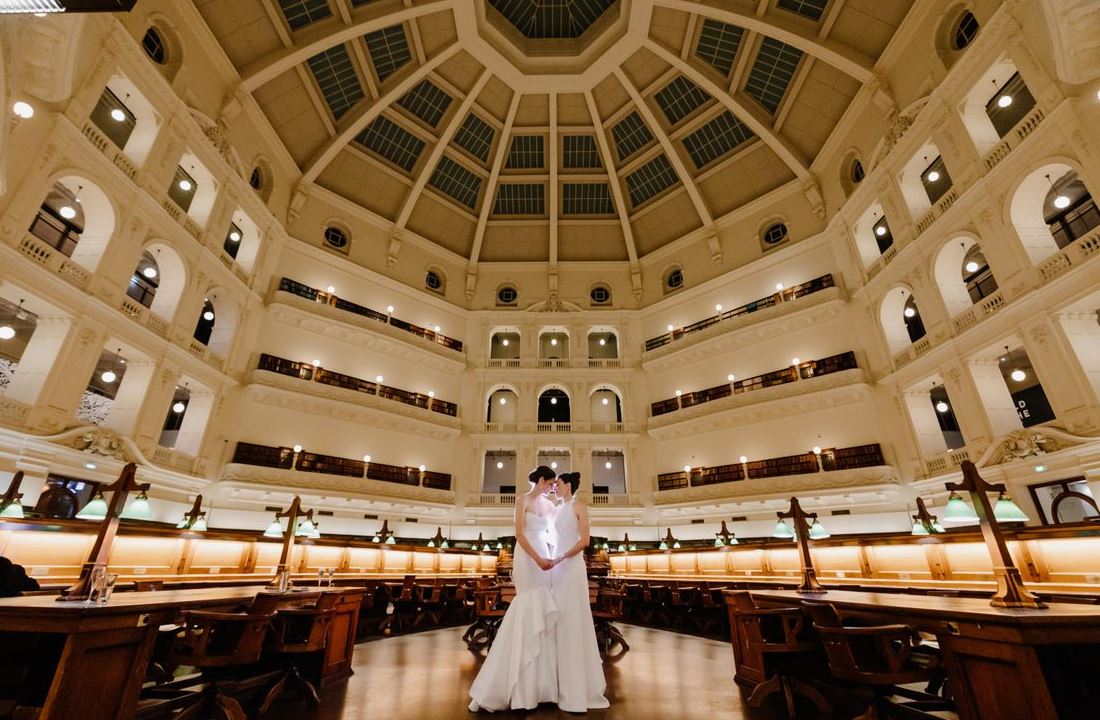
{"points": [[552, 19]]}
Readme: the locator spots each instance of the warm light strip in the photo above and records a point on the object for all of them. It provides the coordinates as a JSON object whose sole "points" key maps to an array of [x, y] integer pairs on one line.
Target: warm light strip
{"points": [[30, 6]]}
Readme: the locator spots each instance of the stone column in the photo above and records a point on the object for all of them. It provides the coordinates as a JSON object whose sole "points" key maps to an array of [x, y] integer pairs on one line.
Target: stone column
{"points": [[150, 418], [195, 421], [131, 396], [1068, 385], [966, 401], [994, 395]]}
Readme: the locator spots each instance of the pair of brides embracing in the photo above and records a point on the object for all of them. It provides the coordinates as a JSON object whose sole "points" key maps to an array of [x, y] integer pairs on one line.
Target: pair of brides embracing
{"points": [[545, 649]]}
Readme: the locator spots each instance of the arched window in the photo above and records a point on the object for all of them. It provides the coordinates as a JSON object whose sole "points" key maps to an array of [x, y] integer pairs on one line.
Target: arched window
{"points": [[945, 417], [856, 172], [504, 346], [256, 179], [145, 280], [232, 244], [173, 421], [205, 326], [553, 406], [507, 296], [60, 221], [913, 323], [976, 274], [1069, 210], [883, 237], [502, 407], [674, 279], [935, 179], [183, 189], [965, 30]]}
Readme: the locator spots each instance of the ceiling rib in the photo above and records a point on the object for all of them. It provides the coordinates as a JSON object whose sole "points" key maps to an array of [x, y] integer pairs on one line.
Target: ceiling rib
{"points": [[444, 140], [840, 56], [490, 191], [666, 145], [553, 104], [786, 152], [353, 122]]}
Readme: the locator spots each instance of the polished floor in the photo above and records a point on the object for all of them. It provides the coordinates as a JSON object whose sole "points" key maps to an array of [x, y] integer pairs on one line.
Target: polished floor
{"points": [[426, 676]]}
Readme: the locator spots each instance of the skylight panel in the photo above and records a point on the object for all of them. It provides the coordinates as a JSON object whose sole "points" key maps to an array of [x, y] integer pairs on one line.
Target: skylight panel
{"points": [[455, 181], [299, 13], [718, 43], [680, 98], [812, 9], [388, 49], [580, 152], [631, 135], [587, 199], [772, 72], [427, 102], [336, 77], [715, 139], [650, 180], [520, 199], [475, 137], [526, 152], [392, 142], [552, 18]]}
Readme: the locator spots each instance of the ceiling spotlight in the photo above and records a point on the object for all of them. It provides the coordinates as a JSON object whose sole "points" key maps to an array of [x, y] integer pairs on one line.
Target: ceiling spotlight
{"points": [[500, 465], [687, 468], [553, 466], [185, 185], [1061, 202], [235, 236], [1004, 101], [607, 464], [910, 312], [389, 309], [208, 315], [67, 212], [730, 377], [972, 266], [718, 307], [504, 342], [1040, 468], [23, 110], [90, 466], [7, 332], [880, 230], [378, 378], [421, 468], [178, 407], [149, 272], [942, 407], [1019, 375], [603, 341], [933, 176], [553, 341], [743, 459], [553, 401], [606, 401], [108, 376], [366, 458], [297, 448]]}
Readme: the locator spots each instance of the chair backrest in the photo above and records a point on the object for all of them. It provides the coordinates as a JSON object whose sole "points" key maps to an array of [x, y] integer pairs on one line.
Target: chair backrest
{"points": [[486, 600], [779, 630], [876, 655], [212, 639], [301, 630], [609, 603]]}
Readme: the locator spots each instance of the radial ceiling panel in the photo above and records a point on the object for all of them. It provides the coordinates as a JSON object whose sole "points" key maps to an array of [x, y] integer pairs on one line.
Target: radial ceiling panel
{"points": [[299, 13], [718, 45], [526, 153], [392, 142], [336, 78], [427, 102], [552, 19], [772, 72], [388, 49]]}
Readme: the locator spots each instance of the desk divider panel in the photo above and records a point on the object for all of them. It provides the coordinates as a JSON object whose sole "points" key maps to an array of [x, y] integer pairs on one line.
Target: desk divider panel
{"points": [[450, 563], [424, 561], [132, 555], [365, 559], [838, 561], [969, 561], [398, 561], [900, 562], [47, 555]]}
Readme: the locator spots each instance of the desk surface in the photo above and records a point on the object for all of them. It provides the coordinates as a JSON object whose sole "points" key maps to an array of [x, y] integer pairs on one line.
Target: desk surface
{"points": [[942, 608]]}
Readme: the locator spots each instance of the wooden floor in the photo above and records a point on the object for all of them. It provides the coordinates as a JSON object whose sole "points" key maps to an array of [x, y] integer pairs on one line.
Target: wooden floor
{"points": [[426, 676]]}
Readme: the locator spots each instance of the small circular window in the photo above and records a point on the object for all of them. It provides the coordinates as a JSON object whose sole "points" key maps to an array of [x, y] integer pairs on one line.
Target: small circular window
{"points": [[153, 45], [336, 238], [857, 173], [600, 295], [507, 295], [775, 234], [256, 179], [966, 28], [433, 281], [675, 279]]}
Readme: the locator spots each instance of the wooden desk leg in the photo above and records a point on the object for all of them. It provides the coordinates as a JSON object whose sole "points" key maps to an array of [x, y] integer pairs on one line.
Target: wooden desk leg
{"points": [[996, 680], [100, 674]]}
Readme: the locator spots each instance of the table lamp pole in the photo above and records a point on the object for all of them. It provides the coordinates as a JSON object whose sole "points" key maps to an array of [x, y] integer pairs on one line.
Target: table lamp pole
{"points": [[809, 584], [1011, 591], [292, 514], [108, 528]]}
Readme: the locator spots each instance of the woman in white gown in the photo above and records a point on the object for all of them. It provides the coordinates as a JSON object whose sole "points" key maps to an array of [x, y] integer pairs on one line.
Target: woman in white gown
{"points": [[581, 682], [521, 669]]}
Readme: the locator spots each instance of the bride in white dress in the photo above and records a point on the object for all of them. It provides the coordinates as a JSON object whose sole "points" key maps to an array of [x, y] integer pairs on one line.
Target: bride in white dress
{"points": [[581, 681], [521, 669]]}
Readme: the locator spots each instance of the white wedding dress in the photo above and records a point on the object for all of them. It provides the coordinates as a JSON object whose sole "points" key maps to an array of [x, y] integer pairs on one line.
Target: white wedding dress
{"points": [[521, 669], [581, 682]]}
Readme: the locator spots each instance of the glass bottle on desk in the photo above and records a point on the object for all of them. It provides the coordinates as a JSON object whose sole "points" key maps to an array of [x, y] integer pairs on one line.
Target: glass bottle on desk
{"points": [[282, 581], [97, 584]]}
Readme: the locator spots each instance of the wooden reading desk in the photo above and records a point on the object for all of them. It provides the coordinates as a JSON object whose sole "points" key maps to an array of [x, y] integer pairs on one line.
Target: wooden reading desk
{"points": [[1003, 664], [88, 661]]}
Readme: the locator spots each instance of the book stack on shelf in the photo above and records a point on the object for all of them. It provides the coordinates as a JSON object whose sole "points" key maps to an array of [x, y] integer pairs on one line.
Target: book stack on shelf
{"points": [[263, 455], [317, 463]]}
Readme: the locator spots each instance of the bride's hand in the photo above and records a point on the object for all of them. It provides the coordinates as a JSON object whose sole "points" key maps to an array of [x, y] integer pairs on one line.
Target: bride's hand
{"points": [[545, 564]]}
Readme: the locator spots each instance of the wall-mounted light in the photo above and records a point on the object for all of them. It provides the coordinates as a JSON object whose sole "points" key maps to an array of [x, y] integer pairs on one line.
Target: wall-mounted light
{"points": [[378, 378], [718, 307], [297, 448], [607, 464], [366, 458], [389, 309], [23, 110]]}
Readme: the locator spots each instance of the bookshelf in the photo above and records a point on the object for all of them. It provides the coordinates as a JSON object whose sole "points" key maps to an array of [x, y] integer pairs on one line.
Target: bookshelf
{"points": [[330, 464], [263, 455], [831, 459]]}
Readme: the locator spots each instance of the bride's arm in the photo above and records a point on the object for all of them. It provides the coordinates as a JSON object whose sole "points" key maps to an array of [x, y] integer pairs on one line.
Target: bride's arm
{"points": [[582, 527], [521, 536]]}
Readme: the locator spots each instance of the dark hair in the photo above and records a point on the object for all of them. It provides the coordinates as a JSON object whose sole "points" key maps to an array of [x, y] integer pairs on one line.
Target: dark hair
{"points": [[542, 472], [574, 480]]}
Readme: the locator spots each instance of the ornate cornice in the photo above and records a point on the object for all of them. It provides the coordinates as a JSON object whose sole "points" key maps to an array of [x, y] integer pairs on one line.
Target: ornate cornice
{"points": [[280, 480], [763, 488]]}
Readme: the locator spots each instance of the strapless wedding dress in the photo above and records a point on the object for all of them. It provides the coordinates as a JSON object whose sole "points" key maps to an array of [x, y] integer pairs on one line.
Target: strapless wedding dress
{"points": [[581, 682], [521, 669]]}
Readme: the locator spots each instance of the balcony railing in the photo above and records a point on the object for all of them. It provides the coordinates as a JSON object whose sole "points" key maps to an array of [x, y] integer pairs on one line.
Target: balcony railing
{"points": [[305, 371], [979, 311], [806, 370], [284, 458], [1069, 256], [553, 427], [791, 293], [301, 290], [830, 459], [556, 363], [504, 362], [912, 352], [54, 260], [945, 461], [580, 427], [496, 499]]}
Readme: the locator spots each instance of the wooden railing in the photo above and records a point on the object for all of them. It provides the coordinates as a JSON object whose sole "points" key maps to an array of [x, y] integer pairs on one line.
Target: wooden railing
{"points": [[828, 460], [284, 458], [305, 371], [791, 293], [310, 293], [806, 370]]}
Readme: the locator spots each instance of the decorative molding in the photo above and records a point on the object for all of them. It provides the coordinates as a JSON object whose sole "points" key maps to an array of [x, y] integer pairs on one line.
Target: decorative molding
{"points": [[358, 487], [759, 488], [1027, 443]]}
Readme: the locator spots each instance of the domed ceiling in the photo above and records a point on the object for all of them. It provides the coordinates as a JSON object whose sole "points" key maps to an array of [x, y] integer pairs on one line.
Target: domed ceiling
{"points": [[553, 130]]}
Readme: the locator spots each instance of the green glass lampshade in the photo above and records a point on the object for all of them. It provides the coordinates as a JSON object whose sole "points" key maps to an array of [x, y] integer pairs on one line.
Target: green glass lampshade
{"points": [[676, 545], [444, 545], [718, 542], [622, 548], [305, 528], [818, 531], [274, 530], [14, 510], [783, 531], [733, 541], [1008, 511], [663, 546], [958, 512], [633, 547], [138, 508], [391, 541], [376, 539], [919, 528], [431, 543], [314, 531], [96, 509], [200, 524], [936, 527], [183, 522], [485, 547]]}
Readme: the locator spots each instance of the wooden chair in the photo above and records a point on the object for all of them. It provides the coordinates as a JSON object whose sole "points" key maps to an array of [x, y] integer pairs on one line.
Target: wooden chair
{"points": [[214, 642], [880, 658], [490, 613], [608, 610], [430, 607], [787, 644], [296, 632]]}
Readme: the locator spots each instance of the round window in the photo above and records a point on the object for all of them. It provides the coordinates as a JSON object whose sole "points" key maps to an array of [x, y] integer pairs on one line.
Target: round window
{"points": [[507, 295], [675, 279], [154, 47], [256, 179], [336, 238], [433, 280], [775, 234], [966, 27], [600, 295], [857, 171]]}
